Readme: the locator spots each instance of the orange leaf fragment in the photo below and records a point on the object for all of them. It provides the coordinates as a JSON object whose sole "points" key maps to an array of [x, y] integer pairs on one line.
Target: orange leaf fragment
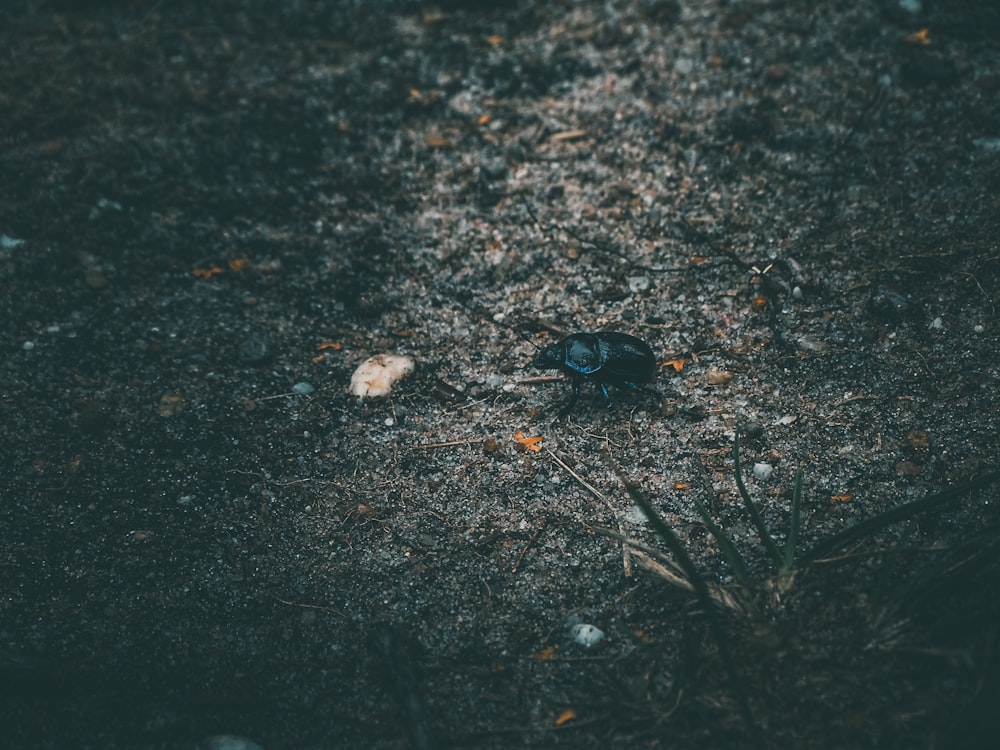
{"points": [[922, 37], [545, 654], [483, 120], [335, 345], [240, 264], [677, 364], [495, 39], [698, 259], [682, 485], [529, 443], [435, 140], [842, 498], [568, 715], [643, 635], [206, 273]]}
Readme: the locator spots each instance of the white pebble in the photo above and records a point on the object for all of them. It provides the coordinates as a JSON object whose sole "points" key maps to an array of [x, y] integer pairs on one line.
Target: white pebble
{"points": [[987, 144], [586, 635], [636, 516], [638, 283], [937, 324], [9, 243], [376, 376], [303, 388], [762, 471]]}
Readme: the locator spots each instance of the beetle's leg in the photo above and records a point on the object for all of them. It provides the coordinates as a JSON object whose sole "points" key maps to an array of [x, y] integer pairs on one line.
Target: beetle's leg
{"points": [[576, 394], [643, 389], [607, 396]]}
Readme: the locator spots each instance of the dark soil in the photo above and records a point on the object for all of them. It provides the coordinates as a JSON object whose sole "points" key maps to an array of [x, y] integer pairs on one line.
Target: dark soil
{"points": [[211, 212]]}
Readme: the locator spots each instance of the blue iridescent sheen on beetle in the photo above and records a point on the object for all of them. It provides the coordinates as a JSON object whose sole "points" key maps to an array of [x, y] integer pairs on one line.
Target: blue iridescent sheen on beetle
{"points": [[605, 357]]}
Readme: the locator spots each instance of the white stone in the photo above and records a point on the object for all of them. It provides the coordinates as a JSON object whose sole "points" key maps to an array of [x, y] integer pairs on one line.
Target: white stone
{"points": [[586, 635], [376, 376]]}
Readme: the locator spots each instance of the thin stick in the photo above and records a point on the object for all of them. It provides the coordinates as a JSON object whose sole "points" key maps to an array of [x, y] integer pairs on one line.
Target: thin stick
{"points": [[448, 444], [626, 557], [526, 547]]}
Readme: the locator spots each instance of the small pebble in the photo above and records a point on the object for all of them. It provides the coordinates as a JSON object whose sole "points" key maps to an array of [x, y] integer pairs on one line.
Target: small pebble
{"points": [[937, 324], [718, 377], [987, 144], [9, 243], [683, 65], [376, 376], [762, 471], [303, 388], [28, 346], [638, 283], [586, 635], [254, 350], [636, 516]]}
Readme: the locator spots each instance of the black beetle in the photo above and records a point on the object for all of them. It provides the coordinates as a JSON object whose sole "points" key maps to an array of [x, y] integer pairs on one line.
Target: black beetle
{"points": [[605, 357]]}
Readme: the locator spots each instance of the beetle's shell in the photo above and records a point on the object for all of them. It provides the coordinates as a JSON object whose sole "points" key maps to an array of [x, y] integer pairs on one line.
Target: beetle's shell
{"points": [[626, 358], [608, 357]]}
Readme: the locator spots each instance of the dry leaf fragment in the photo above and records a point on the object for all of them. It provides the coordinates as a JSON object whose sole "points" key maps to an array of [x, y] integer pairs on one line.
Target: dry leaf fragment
{"points": [[568, 715], [921, 37], [677, 364], [171, 404], [546, 654], [529, 443], [918, 440], [842, 498], [240, 264], [206, 273]]}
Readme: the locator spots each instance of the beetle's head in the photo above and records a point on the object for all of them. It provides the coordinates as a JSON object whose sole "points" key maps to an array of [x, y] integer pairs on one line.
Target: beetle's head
{"points": [[550, 357]]}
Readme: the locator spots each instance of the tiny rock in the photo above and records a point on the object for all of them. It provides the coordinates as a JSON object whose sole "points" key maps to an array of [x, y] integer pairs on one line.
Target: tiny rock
{"points": [[586, 635], [718, 377], [376, 376]]}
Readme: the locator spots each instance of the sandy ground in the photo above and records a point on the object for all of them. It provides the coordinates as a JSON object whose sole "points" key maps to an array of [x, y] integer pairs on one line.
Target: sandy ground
{"points": [[212, 212]]}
